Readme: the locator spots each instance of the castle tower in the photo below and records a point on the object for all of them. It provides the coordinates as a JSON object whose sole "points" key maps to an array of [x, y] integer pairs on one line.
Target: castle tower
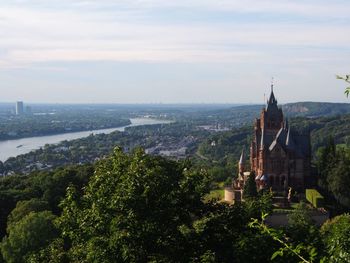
{"points": [[279, 155], [271, 116], [266, 128]]}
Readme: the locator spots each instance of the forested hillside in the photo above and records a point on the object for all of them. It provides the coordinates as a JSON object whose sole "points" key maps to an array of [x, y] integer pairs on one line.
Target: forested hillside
{"points": [[316, 109], [239, 116], [221, 145]]}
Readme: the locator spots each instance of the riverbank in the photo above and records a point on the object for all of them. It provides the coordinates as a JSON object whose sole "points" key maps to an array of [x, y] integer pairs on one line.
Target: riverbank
{"points": [[64, 131], [10, 148]]}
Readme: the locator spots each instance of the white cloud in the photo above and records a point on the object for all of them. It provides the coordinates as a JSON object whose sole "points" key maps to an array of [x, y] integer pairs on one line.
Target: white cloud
{"points": [[32, 35], [37, 33], [304, 7]]}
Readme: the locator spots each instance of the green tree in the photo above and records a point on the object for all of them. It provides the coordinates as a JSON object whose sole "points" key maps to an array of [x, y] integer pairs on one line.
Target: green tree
{"points": [[53, 253], [140, 208], [336, 237], [23, 208], [28, 236], [288, 250], [326, 157], [300, 219], [223, 232], [133, 209], [339, 178], [302, 231], [51, 186], [250, 187]]}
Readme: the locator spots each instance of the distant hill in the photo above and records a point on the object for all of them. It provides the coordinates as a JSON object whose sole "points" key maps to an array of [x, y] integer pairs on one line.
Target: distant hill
{"points": [[316, 109], [321, 128], [231, 143], [242, 115]]}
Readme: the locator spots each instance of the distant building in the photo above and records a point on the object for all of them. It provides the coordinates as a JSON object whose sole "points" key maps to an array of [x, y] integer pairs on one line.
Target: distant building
{"points": [[280, 157], [19, 108], [28, 110]]}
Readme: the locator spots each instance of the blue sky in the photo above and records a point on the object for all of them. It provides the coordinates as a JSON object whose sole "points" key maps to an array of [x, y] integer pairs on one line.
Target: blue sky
{"points": [[183, 51]]}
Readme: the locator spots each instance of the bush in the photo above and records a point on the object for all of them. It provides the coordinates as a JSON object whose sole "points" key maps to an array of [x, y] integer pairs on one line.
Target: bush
{"points": [[315, 198]]}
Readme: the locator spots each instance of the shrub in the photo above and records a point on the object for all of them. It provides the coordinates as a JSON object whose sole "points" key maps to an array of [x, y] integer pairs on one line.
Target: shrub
{"points": [[315, 198]]}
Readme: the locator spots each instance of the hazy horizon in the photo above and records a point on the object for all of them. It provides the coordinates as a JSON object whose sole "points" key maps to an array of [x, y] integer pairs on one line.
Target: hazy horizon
{"points": [[12, 103], [178, 52]]}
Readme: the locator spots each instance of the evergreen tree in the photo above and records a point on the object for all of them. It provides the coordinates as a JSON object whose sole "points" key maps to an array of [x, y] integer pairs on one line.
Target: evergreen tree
{"points": [[338, 178], [325, 161], [250, 187]]}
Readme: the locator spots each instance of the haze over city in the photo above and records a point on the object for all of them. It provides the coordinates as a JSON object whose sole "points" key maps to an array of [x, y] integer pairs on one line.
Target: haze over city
{"points": [[151, 51]]}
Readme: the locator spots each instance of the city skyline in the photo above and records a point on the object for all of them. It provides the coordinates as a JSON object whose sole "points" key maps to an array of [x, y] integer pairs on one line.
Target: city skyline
{"points": [[152, 51]]}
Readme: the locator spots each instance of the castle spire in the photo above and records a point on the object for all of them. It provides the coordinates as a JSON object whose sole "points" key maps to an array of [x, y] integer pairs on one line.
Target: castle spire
{"points": [[242, 159], [272, 99], [241, 163], [272, 85], [272, 102], [262, 142]]}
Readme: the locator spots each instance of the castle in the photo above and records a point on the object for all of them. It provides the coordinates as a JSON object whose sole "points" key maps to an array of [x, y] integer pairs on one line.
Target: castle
{"points": [[280, 157]]}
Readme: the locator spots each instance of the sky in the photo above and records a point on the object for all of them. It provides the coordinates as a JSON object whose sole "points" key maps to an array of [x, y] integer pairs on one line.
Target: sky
{"points": [[182, 51]]}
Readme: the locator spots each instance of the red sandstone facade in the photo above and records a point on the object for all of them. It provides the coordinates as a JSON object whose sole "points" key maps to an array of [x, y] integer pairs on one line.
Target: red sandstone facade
{"points": [[279, 156]]}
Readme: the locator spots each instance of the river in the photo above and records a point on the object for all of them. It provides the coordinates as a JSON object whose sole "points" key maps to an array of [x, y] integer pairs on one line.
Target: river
{"points": [[13, 148]]}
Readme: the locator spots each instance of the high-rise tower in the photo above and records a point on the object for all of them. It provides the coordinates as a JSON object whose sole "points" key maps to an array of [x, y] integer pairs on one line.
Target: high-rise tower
{"points": [[19, 108]]}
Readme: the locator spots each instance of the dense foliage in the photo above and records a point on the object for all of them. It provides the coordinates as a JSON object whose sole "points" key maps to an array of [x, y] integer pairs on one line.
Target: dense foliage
{"points": [[232, 142], [336, 233], [250, 190], [334, 173], [135, 208], [141, 208], [48, 187]]}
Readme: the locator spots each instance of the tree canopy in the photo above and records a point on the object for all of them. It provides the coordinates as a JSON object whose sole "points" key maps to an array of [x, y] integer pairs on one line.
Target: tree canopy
{"points": [[27, 236]]}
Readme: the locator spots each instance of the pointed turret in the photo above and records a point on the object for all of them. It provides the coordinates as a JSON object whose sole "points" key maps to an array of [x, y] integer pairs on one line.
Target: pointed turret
{"points": [[262, 142], [272, 117], [241, 162], [272, 100]]}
